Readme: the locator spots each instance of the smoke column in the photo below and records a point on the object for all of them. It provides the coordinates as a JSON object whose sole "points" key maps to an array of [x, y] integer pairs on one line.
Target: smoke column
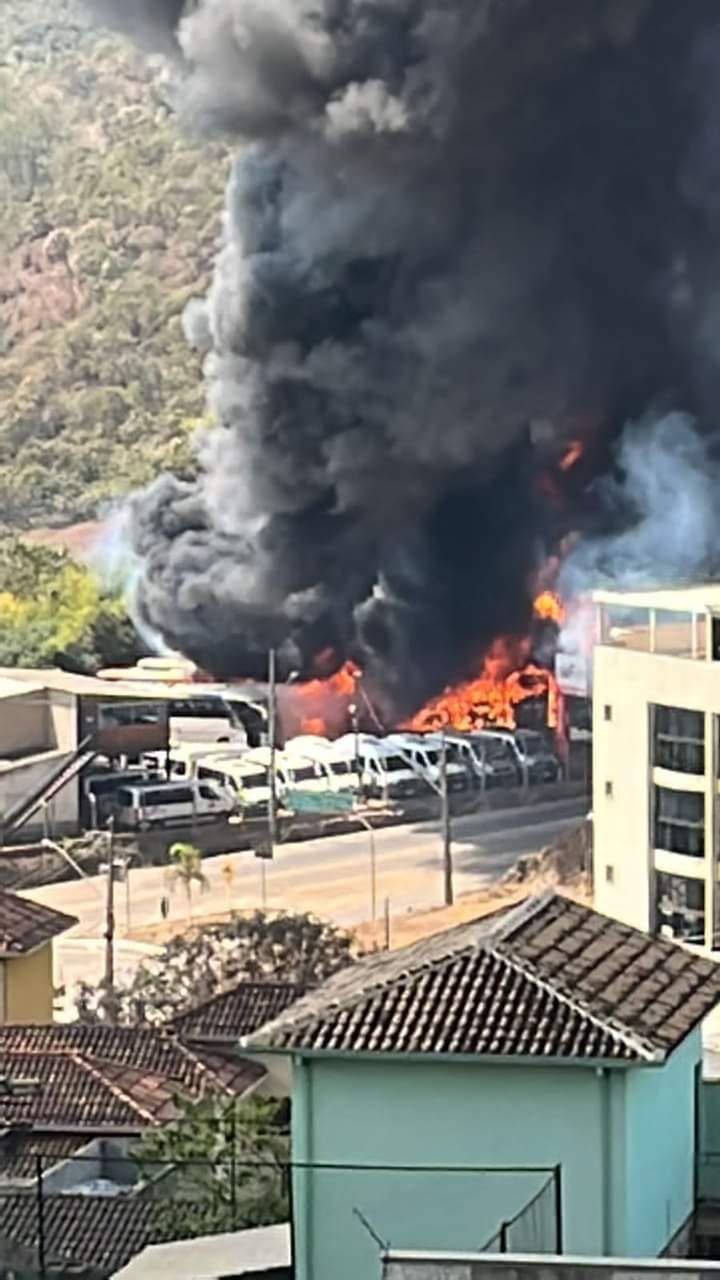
{"points": [[447, 219]]}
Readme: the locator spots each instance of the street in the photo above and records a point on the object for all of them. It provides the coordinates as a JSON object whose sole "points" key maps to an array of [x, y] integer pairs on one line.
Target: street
{"points": [[331, 877]]}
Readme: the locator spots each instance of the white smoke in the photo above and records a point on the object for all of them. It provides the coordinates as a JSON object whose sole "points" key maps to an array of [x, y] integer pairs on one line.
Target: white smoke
{"points": [[665, 492]]}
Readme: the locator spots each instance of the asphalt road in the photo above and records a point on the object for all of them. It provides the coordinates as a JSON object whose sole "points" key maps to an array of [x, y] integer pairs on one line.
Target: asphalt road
{"points": [[332, 877]]}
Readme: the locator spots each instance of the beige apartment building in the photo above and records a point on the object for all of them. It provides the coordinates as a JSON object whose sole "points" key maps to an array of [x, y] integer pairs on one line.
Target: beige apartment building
{"points": [[656, 709]]}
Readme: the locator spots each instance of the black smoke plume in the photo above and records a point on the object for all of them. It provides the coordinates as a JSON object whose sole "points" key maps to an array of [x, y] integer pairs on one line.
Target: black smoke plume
{"points": [[448, 220]]}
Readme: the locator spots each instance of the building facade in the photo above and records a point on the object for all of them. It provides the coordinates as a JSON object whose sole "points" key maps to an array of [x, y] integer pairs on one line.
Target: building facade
{"points": [[435, 1090], [656, 710]]}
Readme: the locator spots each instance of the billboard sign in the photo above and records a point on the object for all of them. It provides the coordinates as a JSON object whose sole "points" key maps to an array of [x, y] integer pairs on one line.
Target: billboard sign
{"points": [[572, 672]]}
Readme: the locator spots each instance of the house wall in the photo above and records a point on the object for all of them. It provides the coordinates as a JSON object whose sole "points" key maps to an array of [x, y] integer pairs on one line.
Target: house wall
{"points": [[709, 1141], [412, 1113], [660, 1151], [29, 987]]}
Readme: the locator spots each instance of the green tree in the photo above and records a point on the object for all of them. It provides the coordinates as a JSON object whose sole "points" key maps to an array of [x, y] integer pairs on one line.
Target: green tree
{"points": [[187, 870], [226, 1164], [54, 612], [197, 964]]}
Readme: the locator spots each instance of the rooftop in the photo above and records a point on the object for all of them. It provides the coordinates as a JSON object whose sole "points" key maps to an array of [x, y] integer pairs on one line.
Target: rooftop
{"points": [[235, 1253], [25, 925], [99, 1078], [82, 686], [97, 1232], [549, 978], [691, 598], [236, 1012]]}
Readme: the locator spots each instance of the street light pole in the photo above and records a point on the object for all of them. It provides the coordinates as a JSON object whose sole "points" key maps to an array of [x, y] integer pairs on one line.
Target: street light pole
{"points": [[272, 734], [446, 831], [110, 927]]}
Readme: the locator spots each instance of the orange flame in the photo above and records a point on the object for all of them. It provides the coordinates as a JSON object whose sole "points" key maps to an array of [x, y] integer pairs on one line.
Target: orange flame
{"points": [[549, 607], [506, 680], [573, 454], [318, 706]]}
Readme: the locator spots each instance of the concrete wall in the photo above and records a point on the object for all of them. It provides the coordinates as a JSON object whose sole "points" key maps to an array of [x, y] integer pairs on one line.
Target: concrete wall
{"points": [[64, 719], [25, 725], [628, 682], [660, 1127], [20, 780], [408, 1267], [411, 1113], [29, 987]]}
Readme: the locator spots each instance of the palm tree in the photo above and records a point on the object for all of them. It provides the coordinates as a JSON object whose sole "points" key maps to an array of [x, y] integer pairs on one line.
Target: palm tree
{"points": [[187, 870]]}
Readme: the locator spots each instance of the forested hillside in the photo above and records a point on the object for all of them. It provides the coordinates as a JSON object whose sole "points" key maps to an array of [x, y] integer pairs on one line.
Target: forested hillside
{"points": [[109, 218]]}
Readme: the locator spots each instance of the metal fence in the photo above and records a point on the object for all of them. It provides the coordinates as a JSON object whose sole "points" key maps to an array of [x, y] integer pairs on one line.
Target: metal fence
{"points": [[91, 1211], [537, 1227]]}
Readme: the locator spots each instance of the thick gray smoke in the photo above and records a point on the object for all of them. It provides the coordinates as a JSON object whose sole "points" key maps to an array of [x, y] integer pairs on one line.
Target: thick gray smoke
{"points": [[447, 219]]}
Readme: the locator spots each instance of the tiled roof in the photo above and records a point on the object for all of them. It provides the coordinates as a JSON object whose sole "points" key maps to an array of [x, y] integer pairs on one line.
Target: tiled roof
{"points": [[99, 1077], [98, 1232], [549, 978], [25, 925], [19, 1149], [236, 1012]]}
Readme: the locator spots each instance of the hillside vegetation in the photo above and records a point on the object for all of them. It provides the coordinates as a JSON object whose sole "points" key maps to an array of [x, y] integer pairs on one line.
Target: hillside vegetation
{"points": [[109, 218]]}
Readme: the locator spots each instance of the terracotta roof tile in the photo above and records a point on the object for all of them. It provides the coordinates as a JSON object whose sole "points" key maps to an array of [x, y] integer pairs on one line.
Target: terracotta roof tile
{"points": [[550, 978], [25, 925], [92, 1078], [97, 1232], [236, 1012]]}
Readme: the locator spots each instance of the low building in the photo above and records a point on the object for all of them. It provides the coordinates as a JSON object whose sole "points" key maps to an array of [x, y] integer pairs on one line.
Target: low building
{"points": [[53, 725], [656, 711], [27, 932], [545, 1054]]}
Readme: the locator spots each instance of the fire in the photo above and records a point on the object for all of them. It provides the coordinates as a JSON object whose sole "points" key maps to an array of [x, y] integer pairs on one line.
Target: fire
{"points": [[550, 607], [506, 680], [319, 706], [573, 454]]}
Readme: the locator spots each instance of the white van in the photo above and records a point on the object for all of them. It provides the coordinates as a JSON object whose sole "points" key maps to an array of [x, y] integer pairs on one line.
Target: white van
{"points": [[165, 804], [245, 782], [384, 771], [424, 753]]}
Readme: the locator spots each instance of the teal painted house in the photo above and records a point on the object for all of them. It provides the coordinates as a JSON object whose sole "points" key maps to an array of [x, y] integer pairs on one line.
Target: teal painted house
{"points": [[537, 1068]]}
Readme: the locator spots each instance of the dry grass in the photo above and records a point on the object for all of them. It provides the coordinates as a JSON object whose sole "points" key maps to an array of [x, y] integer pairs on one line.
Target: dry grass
{"points": [[414, 925]]}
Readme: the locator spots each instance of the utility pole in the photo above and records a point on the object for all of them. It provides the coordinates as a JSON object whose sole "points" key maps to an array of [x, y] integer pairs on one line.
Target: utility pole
{"points": [[272, 734], [446, 832], [110, 926]]}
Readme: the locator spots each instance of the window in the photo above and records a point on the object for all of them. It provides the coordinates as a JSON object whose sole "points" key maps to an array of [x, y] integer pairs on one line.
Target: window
{"points": [[609, 875], [680, 906], [307, 773], [112, 715], [679, 739], [208, 793], [168, 795], [607, 712], [608, 788], [680, 822], [201, 708]]}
